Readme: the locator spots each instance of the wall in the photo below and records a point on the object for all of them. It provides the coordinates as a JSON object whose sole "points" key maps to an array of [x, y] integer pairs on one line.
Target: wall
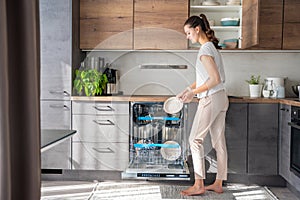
{"points": [[239, 66]]}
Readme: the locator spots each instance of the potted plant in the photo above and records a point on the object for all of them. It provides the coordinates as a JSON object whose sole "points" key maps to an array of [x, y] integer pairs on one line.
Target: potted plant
{"points": [[254, 86], [89, 81]]}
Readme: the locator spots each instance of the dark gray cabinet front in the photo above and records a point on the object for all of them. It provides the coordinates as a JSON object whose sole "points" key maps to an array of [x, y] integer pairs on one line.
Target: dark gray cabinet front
{"points": [[284, 141], [236, 137], [263, 139]]}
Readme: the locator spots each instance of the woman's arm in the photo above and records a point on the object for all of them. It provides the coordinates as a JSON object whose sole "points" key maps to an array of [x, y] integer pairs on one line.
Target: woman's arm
{"points": [[213, 73]]}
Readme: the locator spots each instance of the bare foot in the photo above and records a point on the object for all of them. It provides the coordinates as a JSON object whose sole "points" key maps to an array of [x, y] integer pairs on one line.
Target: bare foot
{"points": [[215, 188], [194, 190]]}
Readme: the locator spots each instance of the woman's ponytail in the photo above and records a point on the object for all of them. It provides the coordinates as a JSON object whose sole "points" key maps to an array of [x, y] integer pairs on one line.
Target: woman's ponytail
{"points": [[209, 32]]}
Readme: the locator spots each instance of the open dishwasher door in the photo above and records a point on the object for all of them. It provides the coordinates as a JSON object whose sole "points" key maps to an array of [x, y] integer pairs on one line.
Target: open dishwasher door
{"points": [[158, 143]]}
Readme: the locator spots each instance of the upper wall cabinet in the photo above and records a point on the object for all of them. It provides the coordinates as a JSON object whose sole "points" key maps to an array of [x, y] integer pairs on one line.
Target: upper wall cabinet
{"points": [[247, 14], [270, 24], [291, 28], [158, 24], [133, 24], [106, 24]]}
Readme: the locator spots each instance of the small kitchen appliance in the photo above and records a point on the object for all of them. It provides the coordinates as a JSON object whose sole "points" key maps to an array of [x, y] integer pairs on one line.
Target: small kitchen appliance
{"points": [[158, 143], [278, 86], [112, 87]]}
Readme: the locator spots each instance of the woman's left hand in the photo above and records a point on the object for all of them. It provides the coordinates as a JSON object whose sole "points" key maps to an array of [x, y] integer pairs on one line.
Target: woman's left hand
{"points": [[188, 96]]}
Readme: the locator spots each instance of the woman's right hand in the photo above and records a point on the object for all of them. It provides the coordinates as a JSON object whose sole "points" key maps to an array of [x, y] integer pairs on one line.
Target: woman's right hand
{"points": [[186, 90]]}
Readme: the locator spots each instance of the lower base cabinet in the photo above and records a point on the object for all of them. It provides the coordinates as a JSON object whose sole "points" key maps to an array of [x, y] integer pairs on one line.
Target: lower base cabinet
{"points": [[252, 140], [100, 156], [56, 115], [263, 139], [102, 138], [236, 137]]}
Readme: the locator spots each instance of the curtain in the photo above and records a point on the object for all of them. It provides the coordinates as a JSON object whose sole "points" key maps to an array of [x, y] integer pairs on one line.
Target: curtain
{"points": [[19, 100]]}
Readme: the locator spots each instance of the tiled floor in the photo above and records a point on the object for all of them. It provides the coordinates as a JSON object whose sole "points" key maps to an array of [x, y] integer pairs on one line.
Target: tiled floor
{"points": [[76, 190]]}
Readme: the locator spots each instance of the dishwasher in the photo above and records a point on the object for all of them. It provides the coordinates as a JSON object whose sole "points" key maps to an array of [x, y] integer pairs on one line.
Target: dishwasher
{"points": [[157, 143]]}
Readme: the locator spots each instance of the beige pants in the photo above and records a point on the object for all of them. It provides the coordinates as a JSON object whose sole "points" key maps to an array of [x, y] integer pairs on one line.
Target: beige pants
{"points": [[210, 116]]}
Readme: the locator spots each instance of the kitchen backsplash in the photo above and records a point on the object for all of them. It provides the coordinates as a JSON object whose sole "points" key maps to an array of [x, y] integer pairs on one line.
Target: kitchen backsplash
{"points": [[239, 66]]}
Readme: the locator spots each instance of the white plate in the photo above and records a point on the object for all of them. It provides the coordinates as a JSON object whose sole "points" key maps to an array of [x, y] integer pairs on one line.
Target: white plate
{"points": [[173, 105], [171, 153]]}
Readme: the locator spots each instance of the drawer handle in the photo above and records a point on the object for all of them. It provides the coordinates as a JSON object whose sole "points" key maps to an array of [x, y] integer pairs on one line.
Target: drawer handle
{"points": [[59, 106], [104, 150], [63, 93], [104, 122], [104, 108]]}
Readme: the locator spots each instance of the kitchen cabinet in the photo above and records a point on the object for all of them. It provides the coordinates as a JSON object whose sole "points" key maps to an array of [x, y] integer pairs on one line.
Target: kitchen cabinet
{"points": [[270, 24], [58, 53], [158, 24], [263, 139], [102, 138], [284, 140], [279, 25], [132, 24], [248, 13], [236, 137], [291, 25], [106, 24]]}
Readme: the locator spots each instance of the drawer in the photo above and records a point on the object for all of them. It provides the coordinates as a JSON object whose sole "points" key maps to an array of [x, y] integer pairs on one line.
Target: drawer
{"points": [[103, 108], [55, 114], [95, 128], [100, 156]]}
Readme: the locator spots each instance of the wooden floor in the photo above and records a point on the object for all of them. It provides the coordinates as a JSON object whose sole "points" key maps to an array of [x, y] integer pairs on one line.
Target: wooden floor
{"points": [[85, 190]]}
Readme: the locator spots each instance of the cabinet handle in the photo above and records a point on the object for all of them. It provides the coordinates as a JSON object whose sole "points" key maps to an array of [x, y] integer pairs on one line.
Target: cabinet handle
{"points": [[103, 150], [104, 122], [59, 106], [294, 125], [284, 109], [104, 108], [63, 93]]}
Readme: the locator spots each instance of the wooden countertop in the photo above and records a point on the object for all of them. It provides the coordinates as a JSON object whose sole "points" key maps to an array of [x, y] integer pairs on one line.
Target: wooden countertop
{"points": [[162, 98]]}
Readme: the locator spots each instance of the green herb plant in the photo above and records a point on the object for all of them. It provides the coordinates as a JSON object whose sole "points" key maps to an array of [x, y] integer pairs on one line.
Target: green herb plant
{"points": [[254, 80], [91, 81]]}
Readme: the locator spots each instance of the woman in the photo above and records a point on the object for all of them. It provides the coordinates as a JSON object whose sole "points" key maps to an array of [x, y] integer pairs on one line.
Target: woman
{"points": [[212, 107]]}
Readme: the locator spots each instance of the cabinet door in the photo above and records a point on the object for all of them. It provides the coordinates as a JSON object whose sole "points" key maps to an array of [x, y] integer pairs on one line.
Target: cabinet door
{"points": [[56, 115], [100, 156], [263, 139], [284, 141], [236, 137], [250, 21], [291, 24], [158, 24], [106, 24], [56, 52], [270, 24]]}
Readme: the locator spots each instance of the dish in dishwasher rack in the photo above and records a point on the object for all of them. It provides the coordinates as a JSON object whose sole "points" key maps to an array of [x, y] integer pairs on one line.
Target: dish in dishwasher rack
{"points": [[171, 153], [173, 105]]}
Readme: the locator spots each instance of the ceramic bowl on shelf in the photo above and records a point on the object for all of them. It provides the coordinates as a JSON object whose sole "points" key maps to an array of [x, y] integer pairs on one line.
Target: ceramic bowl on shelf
{"points": [[210, 3], [230, 21], [231, 43]]}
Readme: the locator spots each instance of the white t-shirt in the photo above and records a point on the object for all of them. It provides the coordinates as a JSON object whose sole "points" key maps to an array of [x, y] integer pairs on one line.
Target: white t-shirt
{"points": [[202, 76]]}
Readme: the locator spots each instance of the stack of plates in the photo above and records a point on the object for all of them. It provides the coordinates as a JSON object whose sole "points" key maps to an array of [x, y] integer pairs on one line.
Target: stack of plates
{"points": [[210, 3], [233, 2]]}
